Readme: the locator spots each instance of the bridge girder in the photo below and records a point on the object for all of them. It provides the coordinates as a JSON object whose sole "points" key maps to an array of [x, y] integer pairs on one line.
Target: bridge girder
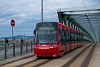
{"points": [[67, 20]]}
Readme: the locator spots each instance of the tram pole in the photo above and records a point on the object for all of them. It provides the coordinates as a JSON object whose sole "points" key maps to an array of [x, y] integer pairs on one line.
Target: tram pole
{"points": [[41, 10]]}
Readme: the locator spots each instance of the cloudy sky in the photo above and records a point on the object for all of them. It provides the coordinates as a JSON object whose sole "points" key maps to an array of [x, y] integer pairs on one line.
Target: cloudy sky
{"points": [[27, 13]]}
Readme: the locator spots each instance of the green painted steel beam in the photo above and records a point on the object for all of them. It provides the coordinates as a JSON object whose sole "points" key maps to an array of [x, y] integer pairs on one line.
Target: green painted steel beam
{"points": [[63, 18]]}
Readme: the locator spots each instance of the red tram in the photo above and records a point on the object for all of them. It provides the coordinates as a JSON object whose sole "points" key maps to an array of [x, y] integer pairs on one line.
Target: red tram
{"points": [[53, 39]]}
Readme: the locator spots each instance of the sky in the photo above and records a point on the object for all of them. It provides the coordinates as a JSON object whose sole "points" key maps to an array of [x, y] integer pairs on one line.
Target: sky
{"points": [[27, 13]]}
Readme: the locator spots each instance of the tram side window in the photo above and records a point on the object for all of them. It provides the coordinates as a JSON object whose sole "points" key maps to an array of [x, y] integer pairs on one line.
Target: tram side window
{"points": [[70, 36], [63, 36], [82, 37], [75, 36], [66, 35], [79, 36]]}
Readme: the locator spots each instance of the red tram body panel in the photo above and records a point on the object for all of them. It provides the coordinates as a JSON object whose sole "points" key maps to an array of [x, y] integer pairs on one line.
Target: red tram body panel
{"points": [[53, 39]]}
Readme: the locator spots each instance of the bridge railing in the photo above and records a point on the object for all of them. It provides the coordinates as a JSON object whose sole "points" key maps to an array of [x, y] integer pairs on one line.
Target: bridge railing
{"points": [[8, 50]]}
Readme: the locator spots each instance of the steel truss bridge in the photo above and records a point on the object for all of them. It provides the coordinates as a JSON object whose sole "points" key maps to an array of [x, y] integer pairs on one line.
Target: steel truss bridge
{"points": [[81, 19]]}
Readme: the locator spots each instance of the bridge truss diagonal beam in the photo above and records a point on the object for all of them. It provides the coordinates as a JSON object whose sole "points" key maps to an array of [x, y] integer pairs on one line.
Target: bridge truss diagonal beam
{"points": [[81, 17]]}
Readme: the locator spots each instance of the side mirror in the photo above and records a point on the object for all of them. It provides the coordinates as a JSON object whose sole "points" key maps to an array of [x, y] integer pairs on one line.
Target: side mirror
{"points": [[34, 31]]}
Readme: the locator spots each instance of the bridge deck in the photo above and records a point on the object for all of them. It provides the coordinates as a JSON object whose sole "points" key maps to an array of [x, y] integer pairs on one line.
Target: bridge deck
{"points": [[95, 61]]}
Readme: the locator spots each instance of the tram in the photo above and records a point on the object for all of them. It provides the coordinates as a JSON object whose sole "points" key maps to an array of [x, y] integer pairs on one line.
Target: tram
{"points": [[53, 39]]}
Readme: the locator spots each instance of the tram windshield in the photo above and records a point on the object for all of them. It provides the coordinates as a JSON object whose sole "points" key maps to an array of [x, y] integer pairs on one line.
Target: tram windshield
{"points": [[45, 36]]}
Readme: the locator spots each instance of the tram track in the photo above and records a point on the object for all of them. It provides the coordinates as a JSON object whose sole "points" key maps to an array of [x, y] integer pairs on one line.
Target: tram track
{"points": [[88, 58], [82, 59], [19, 62], [42, 63], [8, 61], [37, 63], [27, 62]]}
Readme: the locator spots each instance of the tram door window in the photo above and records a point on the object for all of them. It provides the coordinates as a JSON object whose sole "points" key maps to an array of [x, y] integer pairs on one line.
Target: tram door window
{"points": [[76, 37], [59, 37], [62, 36], [66, 36], [70, 36], [68, 33], [73, 36]]}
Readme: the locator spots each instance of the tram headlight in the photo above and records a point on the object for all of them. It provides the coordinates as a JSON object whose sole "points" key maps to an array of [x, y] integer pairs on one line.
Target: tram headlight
{"points": [[53, 46], [35, 46]]}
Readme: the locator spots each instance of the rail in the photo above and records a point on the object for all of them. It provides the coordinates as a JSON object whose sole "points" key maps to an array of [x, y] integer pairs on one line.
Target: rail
{"points": [[88, 58], [74, 58]]}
